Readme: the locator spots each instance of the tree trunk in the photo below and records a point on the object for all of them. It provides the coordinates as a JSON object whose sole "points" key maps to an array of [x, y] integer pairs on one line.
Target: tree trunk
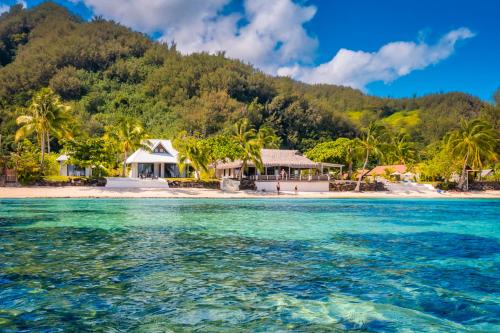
{"points": [[349, 170], [48, 142], [124, 166], [358, 185], [461, 181], [42, 146]]}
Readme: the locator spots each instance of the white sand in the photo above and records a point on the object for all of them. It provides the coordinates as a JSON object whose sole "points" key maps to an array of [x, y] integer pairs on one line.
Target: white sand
{"points": [[101, 192]]}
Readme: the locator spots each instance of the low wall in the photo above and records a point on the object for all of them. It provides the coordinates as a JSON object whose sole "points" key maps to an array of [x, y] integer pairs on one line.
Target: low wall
{"points": [[368, 187], [125, 182], [211, 184], [289, 186], [484, 186], [248, 184], [71, 181]]}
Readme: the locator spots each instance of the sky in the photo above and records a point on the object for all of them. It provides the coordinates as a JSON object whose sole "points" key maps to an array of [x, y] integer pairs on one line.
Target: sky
{"points": [[390, 48]]}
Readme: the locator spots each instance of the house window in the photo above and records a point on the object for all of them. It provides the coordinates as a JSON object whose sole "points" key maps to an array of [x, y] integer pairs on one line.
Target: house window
{"points": [[160, 149], [76, 171], [145, 169]]}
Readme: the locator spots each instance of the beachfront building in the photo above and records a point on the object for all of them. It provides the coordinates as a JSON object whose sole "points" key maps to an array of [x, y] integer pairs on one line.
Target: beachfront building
{"points": [[288, 167], [157, 159], [394, 171], [68, 169]]}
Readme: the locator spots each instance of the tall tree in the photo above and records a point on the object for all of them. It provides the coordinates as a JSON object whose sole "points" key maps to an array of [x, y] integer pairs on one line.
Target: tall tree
{"points": [[342, 150], [249, 143], [370, 142], [400, 149], [220, 148], [45, 115], [267, 138], [191, 152], [129, 135], [473, 142]]}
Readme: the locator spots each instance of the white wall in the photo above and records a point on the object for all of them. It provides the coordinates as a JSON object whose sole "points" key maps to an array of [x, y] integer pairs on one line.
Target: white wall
{"points": [[134, 170], [63, 169], [289, 186]]}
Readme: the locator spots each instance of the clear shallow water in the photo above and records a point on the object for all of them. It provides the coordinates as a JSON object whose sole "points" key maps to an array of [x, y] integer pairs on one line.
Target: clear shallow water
{"points": [[147, 265]]}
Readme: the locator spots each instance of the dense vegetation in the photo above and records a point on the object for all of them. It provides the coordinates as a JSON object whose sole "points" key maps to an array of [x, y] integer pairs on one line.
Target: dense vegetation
{"points": [[104, 72]]}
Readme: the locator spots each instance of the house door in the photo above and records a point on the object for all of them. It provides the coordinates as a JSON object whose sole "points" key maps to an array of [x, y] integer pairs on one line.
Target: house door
{"points": [[145, 169]]}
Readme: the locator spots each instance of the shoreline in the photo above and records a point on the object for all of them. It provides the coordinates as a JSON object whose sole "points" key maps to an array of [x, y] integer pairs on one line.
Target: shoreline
{"points": [[103, 192]]}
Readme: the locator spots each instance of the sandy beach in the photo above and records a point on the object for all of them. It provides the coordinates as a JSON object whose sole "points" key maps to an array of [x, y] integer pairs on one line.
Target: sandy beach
{"points": [[102, 192]]}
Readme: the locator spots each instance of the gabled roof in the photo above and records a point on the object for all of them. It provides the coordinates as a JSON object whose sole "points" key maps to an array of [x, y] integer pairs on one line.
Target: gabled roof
{"points": [[486, 172], [380, 170], [62, 158], [147, 155], [276, 157]]}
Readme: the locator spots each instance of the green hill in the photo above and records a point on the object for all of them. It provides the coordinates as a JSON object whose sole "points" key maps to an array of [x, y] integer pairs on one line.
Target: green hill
{"points": [[104, 70]]}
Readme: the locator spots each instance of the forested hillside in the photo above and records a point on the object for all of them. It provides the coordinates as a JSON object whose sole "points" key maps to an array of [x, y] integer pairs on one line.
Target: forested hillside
{"points": [[104, 70]]}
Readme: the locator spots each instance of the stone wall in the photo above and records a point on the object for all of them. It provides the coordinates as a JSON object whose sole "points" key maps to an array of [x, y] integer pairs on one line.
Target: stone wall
{"points": [[211, 184], [484, 186], [368, 187], [248, 184], [73, 181]]}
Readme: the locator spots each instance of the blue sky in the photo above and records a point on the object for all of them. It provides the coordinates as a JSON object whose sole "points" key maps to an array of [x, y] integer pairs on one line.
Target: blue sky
{"points": [[386, 48]]}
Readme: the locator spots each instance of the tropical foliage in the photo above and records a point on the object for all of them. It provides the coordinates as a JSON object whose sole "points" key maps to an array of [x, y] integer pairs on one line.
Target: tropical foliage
{"points": [[101, 81], [44, 116], [128, 135], [371, 142], [473, 144]]}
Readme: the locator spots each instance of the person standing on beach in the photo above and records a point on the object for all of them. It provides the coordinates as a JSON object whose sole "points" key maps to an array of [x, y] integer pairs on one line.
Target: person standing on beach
{"points": [[296, 189], [278, 187]]}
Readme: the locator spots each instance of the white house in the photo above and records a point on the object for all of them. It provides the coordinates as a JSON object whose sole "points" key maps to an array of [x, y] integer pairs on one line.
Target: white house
{"points": [[157, 160], [66, 169]]}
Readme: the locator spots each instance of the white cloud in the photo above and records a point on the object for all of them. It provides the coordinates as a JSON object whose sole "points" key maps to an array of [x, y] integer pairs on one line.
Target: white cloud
{"points": [[6, 8], [267, 34], [3, 9], [391, 61], [270, 34]]}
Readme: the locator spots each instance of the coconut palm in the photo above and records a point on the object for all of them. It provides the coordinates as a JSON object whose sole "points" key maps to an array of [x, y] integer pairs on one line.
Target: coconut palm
{"points": [[45, 115], [129, 135], [350, 154], [250, 144], [267, 138], [473, 142], [370, 143], [400, 149], [194, 155], [191, 151]]}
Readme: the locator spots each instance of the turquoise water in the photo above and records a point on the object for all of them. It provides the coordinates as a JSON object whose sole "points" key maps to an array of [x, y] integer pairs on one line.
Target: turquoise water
{"points": [[164, 265]]}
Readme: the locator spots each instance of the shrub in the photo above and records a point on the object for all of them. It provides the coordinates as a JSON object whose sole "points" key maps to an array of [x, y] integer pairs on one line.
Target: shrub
{"points": [[446, 186], [26, 161]]}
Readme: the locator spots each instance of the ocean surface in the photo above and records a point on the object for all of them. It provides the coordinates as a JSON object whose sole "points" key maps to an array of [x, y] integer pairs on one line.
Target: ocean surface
{"points": [[184, 265]]}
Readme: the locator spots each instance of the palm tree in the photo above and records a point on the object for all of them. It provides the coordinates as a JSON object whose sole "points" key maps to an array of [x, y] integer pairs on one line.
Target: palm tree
{"points": [[370, 143], [351, 152], [250, 143], [267, 138], [401, 149], [191, 153], [473, 142], [46, 114], [128, 134]]}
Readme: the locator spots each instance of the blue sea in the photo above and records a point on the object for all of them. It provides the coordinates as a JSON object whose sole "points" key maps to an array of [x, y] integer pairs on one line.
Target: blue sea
{"points": [[270, 265]]}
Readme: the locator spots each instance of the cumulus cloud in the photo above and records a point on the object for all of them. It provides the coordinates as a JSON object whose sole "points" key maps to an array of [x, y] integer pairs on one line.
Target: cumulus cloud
{"points": [[391, 61], [266, 33], [271, 36]]}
